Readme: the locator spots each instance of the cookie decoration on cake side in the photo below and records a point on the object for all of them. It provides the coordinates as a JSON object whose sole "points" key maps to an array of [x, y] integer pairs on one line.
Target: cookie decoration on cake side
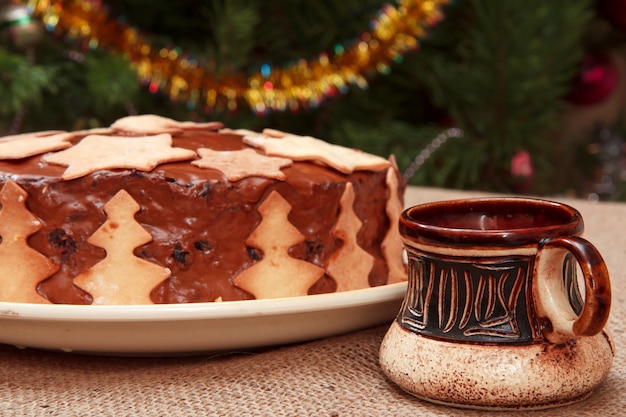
{"points": [[211, 214], [277, 274], [21, 267], [121, 277]]}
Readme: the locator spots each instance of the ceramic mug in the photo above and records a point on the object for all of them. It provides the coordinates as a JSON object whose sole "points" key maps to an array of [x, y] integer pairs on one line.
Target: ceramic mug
{"points": [[494, 315]]}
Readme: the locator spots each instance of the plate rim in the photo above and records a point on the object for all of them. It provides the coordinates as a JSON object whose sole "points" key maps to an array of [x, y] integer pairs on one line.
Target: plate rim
{"points": [[204, 310]]}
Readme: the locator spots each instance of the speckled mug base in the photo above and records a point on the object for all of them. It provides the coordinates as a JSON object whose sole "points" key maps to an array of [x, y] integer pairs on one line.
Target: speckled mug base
{"points": [[521, 377]]}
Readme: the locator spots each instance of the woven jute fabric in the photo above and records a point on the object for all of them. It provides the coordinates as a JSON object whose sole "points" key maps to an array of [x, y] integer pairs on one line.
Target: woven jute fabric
{"points": [[337, 376]]}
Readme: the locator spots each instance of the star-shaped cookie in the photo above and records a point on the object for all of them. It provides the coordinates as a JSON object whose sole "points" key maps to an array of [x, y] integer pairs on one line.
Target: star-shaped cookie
{"points": [[151, 124], [307, 148], [29, 144], [96, 152], [236, 165]]}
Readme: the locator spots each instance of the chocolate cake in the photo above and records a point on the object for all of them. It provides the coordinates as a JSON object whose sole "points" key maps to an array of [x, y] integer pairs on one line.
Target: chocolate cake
{"points": [[152, 210]]}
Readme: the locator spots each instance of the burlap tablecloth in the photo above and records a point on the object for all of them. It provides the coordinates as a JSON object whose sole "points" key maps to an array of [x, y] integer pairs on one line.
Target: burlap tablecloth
{"points": [[337, 376]]}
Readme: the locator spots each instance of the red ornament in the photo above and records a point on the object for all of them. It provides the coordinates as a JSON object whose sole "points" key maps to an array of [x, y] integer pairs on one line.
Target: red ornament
{"points": [[595, 82]]}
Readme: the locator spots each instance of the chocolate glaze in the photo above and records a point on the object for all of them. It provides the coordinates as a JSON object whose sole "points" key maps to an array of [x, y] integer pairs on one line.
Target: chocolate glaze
{"points": [[198, 219]]}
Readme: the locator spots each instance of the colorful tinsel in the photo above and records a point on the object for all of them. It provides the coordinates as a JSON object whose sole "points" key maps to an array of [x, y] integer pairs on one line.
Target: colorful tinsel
{"points": [[393, 32]]}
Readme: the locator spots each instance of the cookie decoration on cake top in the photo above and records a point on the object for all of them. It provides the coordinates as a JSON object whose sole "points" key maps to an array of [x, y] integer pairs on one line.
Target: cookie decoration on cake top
{"points": [[152, 124], [307, 148], [97, 152], [236, 165], [29, 144]]}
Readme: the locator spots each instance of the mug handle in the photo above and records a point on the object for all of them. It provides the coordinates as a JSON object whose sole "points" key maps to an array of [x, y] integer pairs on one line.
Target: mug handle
{"points": [[551, 298]]}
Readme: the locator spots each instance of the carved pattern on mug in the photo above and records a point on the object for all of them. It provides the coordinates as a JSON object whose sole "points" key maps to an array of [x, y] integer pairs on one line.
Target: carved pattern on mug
{"points": [[495, 294], [480, 300]]}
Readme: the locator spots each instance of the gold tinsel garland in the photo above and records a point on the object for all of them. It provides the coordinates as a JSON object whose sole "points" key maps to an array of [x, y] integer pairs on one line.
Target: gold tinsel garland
{"points": [[394, 31]]}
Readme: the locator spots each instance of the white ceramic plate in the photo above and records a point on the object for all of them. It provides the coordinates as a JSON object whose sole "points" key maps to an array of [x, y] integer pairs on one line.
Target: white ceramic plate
{"points": [[168, 329]]}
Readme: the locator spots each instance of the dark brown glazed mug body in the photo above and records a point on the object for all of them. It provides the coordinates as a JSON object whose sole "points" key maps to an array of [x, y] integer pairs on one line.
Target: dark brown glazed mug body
{"points": [[492, 278], [472, 262]]}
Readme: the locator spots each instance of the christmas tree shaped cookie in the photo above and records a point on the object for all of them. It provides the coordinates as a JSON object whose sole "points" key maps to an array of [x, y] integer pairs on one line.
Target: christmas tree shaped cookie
{"points": [[21, 267], [392, 243], [121, 277], [277, 274], [351, 264]]}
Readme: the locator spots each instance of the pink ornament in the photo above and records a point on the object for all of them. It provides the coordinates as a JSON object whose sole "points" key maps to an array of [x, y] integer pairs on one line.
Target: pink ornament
{"points": [[521, 165], [522, 171]]}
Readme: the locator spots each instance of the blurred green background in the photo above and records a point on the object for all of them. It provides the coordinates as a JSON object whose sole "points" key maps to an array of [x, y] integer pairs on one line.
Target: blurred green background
{"points": [[520, 96]]}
